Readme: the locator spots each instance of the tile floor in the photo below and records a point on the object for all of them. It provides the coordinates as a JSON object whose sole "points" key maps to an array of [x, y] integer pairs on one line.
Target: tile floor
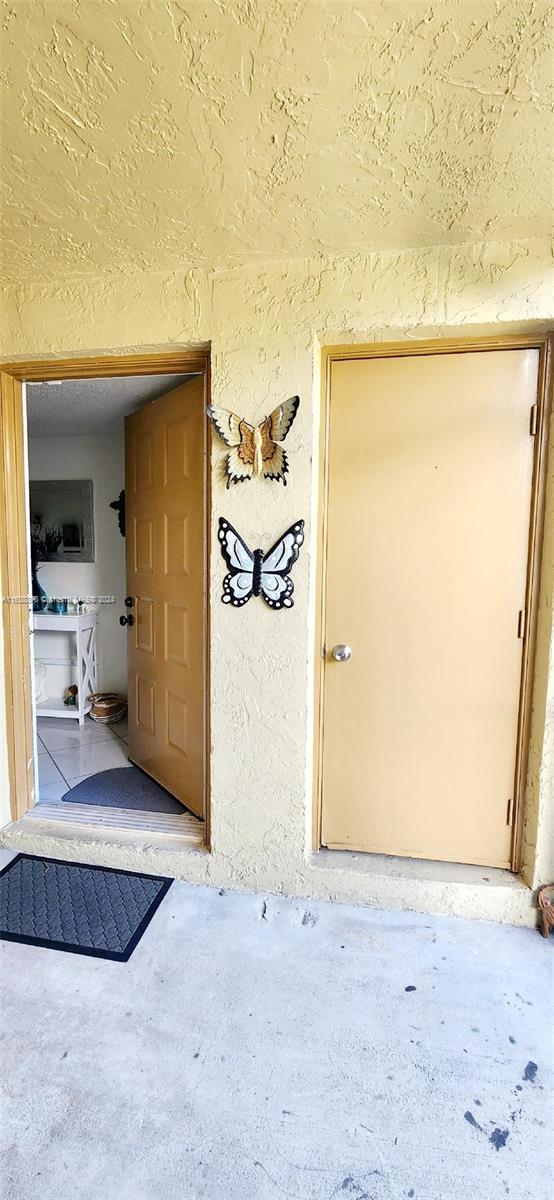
{"points": [[69, 752]]}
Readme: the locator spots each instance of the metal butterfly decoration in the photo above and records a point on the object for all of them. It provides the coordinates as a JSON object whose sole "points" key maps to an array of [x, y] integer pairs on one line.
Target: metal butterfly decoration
{"points": [[119, 506], [253, 573], [254, 449]]}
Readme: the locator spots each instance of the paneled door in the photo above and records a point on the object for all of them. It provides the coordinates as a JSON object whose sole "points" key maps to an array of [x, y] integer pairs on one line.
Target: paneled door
{"points": [[165, 473], [430, 464]]}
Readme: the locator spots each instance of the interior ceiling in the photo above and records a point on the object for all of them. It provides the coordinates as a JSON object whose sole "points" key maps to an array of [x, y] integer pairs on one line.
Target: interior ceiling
{"points": [[160, 134], [82, 407]]}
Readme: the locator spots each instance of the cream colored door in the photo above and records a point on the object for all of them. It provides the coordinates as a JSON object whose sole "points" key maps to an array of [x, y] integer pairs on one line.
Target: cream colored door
{"points": [[430, 470], [165, 469]]}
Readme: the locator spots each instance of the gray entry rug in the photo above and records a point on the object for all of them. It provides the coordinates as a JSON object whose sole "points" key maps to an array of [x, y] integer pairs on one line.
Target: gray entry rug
{"points": [[124, 787], [99, 911]]}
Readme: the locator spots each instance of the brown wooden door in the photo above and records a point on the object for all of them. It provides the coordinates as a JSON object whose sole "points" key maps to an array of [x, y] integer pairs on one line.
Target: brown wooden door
{"points": [[430, 471], [165, 472]]}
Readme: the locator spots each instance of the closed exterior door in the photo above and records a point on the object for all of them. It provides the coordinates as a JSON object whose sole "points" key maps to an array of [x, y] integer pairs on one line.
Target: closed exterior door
{"points": [[430, 463], [165, 469]]}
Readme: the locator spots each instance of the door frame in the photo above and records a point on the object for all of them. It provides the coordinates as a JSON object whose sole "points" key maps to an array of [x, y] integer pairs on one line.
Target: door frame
{"points": [[14, 554], [544, 343]]}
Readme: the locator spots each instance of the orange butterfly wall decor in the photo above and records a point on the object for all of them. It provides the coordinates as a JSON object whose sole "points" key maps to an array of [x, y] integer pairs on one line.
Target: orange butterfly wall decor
{"points": [[254, 449]]}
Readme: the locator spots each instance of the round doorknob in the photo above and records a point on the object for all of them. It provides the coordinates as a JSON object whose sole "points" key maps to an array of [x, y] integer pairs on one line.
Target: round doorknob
{"points": [[130, 620], [341, 653]]}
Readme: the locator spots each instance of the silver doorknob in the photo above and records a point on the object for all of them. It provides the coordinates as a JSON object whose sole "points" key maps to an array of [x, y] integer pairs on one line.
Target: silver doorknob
{"points": [[341, 653]]}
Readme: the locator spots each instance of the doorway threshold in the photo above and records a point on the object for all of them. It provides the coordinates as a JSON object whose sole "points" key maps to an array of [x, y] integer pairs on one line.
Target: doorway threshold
{"points": [[108, 825], [424, 885], [401, 867]]}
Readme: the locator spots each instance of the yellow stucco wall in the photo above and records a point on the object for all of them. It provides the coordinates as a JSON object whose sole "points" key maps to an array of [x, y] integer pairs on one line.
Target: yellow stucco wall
{"points": [[266, 324], [169, 132]]}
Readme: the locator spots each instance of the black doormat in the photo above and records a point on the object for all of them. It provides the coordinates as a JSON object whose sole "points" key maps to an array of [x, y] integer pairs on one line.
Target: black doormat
{"points": [[100, 911], [124, 787]]}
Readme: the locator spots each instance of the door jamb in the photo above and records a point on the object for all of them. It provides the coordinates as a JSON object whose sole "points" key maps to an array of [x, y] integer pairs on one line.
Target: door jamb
{"points": [[544, 343], [14, 567]]}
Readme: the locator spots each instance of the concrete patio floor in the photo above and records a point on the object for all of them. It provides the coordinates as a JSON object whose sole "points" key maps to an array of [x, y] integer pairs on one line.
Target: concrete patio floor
{"points": [[259, 1048]]}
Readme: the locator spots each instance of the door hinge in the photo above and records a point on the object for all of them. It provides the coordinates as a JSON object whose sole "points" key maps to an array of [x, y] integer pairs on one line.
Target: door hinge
{"points": [[521, 623], [509, 812], [533, 419]]}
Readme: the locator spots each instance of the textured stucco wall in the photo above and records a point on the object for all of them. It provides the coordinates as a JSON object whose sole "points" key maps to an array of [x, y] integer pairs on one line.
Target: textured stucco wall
{"points": [[4, 796], [266, 324], [148, 133]]}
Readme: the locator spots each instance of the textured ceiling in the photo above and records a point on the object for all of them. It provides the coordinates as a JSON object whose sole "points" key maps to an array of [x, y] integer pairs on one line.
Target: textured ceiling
{"points": [[154, 134], [81, 407]]}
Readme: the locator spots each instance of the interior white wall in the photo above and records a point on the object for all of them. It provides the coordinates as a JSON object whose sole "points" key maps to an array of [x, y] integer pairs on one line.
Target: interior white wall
{"points": [[102, 460]]}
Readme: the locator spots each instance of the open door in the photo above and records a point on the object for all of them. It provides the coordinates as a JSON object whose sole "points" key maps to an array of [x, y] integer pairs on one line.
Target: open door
{"points": [[165, 481]]}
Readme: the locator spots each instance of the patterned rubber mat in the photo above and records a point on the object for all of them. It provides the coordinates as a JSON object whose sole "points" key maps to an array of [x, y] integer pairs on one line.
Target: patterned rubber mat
{"points": [[124, 787], [99, 911]]}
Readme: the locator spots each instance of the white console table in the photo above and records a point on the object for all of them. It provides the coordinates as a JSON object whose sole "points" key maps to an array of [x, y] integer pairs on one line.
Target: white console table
{"points": [[83, 626]]}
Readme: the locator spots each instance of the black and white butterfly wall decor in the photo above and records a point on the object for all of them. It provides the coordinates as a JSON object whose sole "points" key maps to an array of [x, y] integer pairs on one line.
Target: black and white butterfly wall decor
{"points": [[255, 449], [253, 573]]}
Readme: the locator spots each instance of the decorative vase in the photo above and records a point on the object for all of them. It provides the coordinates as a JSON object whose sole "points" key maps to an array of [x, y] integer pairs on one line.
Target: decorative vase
{"points": [[40, 598]]}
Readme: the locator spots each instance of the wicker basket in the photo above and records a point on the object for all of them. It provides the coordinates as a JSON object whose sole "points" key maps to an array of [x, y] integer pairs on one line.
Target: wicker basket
{"points": [[107, 707]]}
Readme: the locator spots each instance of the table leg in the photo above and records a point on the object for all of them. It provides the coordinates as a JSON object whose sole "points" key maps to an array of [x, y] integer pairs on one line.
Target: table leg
{"points": [[80, 680]]}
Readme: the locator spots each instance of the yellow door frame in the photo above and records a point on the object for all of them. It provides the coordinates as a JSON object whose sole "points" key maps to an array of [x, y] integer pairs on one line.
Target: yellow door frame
{"points": [[14, 574], [544, 343]]}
